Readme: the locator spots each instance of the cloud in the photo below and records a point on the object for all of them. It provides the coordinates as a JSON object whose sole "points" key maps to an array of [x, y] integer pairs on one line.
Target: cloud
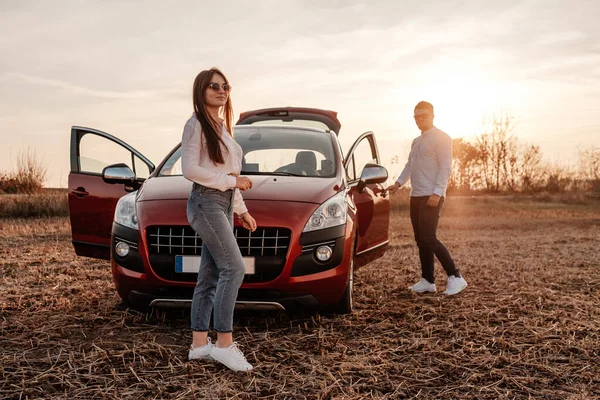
{"points": [[34, 80]]}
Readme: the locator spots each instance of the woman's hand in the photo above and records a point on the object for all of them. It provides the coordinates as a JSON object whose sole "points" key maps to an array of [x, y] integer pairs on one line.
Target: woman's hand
{"points": [[243, 182], [248, 222]]}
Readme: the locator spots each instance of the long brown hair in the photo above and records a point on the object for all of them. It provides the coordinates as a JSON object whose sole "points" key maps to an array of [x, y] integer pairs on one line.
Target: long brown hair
{"points": [[211, 128]]}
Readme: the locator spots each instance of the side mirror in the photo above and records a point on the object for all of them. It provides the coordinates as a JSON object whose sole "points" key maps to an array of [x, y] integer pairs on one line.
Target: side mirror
{"points": [[118, 173], [372, 173]]}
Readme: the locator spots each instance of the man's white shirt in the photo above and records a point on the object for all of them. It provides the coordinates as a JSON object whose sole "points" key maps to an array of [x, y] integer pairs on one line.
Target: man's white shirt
{"points": [[429, 164]]}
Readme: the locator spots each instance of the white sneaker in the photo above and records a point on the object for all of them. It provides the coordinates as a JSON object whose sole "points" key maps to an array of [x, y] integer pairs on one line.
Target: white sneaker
{"points": [[423, 286], [202, 352], [455, 285], [231, 357]]}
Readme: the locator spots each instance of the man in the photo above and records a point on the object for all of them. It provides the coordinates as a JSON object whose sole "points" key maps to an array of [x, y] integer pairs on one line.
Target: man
{"points": [[428, 168]]}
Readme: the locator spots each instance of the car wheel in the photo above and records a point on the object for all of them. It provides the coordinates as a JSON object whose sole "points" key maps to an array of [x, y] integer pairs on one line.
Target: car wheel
{"points": [[346, 305]]}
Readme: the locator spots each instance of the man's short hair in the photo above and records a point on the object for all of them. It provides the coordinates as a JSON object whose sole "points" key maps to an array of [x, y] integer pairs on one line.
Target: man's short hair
{"points": [[424, 105]]}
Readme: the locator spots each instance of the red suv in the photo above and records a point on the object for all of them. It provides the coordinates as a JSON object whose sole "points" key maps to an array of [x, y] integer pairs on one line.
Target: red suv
{"points": [[320, 215]]}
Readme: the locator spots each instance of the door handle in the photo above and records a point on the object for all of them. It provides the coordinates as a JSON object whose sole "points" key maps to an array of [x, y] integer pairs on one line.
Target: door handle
{"points": [[380, 191], [80, 192]]}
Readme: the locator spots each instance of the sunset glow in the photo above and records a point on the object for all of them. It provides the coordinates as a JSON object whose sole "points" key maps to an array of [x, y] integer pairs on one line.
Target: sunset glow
{"points": [[463, 94], [371, 62]]}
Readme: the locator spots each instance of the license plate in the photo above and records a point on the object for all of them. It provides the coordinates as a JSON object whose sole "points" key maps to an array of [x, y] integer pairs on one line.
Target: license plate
{"points": [[191, 264]]}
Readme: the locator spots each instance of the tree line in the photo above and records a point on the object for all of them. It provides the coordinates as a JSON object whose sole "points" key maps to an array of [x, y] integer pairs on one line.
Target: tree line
{"points": [[496, 161]]}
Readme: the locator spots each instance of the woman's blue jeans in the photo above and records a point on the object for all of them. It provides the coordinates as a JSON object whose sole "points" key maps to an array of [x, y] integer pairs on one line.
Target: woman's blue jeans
{"points": [[210, 214]]}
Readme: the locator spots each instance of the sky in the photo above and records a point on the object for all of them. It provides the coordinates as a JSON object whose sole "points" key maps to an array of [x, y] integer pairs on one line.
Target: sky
{"points": [[127, 68]]}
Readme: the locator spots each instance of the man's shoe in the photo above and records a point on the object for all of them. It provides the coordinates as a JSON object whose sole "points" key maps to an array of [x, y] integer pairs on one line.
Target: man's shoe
{"points": [[202, 352], [231, 357], [455, 285], [423, 286]]}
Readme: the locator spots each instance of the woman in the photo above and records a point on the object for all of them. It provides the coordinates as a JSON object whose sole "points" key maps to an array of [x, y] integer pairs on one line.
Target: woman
{"points": [[213, 161]]}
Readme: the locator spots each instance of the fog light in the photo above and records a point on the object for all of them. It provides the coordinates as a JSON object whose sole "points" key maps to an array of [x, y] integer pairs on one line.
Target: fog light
{"points": [[122, 249], [324, 253]]}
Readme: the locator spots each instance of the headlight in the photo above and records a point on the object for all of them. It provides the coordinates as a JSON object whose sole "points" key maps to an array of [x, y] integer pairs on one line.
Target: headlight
{"points": [[329, 214], [125, 211]]}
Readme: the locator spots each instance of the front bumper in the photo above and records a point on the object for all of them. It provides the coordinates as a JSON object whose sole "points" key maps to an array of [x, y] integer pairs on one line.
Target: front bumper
{"points": [[302, 283], [263, 300]]}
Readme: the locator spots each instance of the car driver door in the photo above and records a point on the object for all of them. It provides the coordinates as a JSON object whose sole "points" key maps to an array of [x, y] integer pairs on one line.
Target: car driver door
{"points": [[371, 200], [92, 201]]}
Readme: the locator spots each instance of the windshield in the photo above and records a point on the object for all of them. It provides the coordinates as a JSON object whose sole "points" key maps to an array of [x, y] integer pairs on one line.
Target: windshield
{"points": [[276, 151]]}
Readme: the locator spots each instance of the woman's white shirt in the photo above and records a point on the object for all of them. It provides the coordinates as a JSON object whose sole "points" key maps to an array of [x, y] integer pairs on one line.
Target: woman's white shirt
{"points": [[198, 167]]}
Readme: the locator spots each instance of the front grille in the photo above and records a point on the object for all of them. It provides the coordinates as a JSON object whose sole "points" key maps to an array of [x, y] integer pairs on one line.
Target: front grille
{"points": [[183, 240], [269, 246]]}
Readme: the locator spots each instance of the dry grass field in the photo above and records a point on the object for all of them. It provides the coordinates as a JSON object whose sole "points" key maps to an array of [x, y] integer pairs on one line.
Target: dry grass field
{"points": [[528, 326], [47, 203]]}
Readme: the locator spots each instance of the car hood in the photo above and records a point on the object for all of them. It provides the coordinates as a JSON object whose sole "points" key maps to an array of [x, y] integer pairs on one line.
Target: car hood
{"points": [[277, 188]]}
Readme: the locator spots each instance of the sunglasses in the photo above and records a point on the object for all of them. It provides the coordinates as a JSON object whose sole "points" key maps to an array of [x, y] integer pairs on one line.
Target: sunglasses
{"points": [[422, 116], [215, 86]]}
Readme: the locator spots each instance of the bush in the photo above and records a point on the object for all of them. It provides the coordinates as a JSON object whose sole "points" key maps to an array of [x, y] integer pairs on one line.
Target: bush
{"points": [[28, 178]]}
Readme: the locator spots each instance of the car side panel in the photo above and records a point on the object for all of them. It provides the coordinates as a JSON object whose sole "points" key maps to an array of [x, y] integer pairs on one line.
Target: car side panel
{"points": [[92, 214], [373, 210]]}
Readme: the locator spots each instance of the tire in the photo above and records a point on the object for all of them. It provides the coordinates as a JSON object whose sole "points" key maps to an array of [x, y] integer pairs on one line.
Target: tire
{"points": [[346, 304]]}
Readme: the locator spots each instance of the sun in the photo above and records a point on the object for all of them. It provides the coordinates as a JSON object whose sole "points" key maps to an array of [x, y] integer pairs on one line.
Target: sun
{"points": [[462, 95]]}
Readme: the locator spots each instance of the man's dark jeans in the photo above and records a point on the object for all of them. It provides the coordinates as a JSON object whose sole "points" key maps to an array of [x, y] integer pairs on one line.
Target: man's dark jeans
{"points": [[425, 221]]}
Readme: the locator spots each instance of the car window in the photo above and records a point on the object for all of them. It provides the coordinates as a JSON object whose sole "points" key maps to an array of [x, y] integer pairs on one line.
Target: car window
{"points": [[362, 155], [172, 167], [301, 152], [95, 153], [295, 161], [350, 169], [141, 168]]}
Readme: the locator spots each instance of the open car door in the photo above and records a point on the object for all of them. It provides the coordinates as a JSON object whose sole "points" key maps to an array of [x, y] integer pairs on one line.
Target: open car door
{"points": [[372, 202], [92, 201], [298, 116]]}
